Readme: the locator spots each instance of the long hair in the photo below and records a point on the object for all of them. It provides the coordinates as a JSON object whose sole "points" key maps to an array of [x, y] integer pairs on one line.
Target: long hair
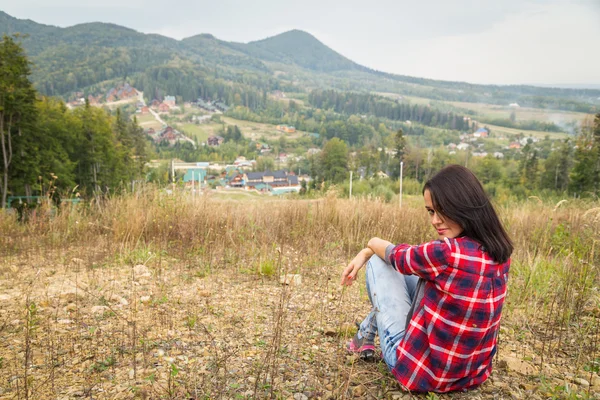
{"points": [[457, 194]]}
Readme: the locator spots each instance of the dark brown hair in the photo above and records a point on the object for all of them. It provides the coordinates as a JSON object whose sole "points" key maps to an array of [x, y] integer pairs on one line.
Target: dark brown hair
{"points": [[457, 194]]}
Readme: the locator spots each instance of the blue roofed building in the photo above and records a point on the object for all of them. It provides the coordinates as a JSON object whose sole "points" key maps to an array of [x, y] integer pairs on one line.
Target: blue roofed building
{"points": [[195, 174]]}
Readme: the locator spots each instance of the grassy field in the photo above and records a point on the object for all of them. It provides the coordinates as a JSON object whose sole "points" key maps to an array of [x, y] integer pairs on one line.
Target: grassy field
{"points": [[157, 296], [202, 132], [148, 121], [507, 132], [256, 130], [251, 130], [521, 113]]}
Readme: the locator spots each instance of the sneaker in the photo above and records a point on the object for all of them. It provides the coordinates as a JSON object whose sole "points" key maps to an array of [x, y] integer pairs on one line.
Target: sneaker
{"points": [[365, 349]]}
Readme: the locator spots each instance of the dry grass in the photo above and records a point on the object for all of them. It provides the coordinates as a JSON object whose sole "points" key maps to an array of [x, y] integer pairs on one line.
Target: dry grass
{"points": [[157, 296]]}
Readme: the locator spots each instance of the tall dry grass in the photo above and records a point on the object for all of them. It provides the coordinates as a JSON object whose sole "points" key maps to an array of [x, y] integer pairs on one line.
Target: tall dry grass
{"points": [[553, 297]]}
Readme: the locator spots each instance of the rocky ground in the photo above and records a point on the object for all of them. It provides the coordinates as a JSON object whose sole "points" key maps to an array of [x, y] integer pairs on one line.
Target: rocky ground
{"points": [[93, 326]]}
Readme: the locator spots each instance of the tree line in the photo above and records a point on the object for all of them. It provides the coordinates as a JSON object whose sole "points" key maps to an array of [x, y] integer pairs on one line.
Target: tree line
{"points": [[48, 148], [363, 103]]}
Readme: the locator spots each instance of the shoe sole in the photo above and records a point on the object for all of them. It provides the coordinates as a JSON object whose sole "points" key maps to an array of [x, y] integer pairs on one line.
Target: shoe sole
{"points": [[364, 352]]}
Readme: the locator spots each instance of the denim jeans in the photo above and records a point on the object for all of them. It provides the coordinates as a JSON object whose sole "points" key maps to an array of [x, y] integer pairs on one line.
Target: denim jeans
{"points": [[391, 294]]}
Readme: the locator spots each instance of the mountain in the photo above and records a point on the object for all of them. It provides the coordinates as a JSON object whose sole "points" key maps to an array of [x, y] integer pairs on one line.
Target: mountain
{"points": [[81, 57], [299, 48]]}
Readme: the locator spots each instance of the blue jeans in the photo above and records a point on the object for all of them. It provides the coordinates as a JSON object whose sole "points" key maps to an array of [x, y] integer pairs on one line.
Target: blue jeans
{"points": [[391, 294]]}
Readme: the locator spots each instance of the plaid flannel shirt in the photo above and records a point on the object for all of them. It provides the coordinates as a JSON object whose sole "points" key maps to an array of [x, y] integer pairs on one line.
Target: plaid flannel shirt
{"points": [[451, 338]]}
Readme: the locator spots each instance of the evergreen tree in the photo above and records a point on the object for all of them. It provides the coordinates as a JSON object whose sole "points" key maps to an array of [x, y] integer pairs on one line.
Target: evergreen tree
{"points": [[17, 112], [585, 176], [557, 167], [334, 161]]}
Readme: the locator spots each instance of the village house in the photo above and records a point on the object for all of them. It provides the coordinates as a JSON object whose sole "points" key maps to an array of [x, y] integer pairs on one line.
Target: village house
{"points": [[144, 110], [170, 101], [170, 135], [263, 148], [241, 162], [194, 176], [215, 140], [514, 145], [162, 107], [498, 155], [206, 105], [154, 104], [282, 157], [286, 128], [481, 133], [269, 180], [219, 105], [121, 92], [94, 100], [462, 146]]}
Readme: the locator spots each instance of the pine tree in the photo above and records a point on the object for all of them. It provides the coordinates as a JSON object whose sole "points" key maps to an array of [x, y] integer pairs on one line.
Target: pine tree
{"points": [[17, 110], [585, 176]]}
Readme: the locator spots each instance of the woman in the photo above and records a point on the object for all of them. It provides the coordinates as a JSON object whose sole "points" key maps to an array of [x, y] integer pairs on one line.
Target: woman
{"points": [[437, 306]]}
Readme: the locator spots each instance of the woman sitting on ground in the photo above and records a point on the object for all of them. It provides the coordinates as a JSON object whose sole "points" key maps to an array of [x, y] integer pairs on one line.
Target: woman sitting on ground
{"points": [[437, 306]]}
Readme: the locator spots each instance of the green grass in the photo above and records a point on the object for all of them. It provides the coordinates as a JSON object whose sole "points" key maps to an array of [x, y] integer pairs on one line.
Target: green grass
{"points": [[201, 132], [144, 118], [502, 131], [253, 196]]}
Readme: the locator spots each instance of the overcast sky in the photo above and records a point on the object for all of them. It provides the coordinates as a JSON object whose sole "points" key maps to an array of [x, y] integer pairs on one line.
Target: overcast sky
{"points": [[478, 41]]}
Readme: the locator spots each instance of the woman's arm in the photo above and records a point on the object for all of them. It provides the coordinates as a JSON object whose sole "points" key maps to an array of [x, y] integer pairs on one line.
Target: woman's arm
{"points": [[378, 246], [375, 246]]}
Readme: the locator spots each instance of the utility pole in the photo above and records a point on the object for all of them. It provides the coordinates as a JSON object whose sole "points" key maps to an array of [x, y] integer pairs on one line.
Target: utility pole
{"points": [[401, 168], [172, 170], [350, 184]]}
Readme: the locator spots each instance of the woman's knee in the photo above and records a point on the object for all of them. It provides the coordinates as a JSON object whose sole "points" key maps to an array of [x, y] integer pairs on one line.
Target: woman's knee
{"points": [[375, 263], [374, 268]]}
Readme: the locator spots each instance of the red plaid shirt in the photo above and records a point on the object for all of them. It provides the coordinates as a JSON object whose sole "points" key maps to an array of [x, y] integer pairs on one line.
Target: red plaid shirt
{"points": [[451, 338]]}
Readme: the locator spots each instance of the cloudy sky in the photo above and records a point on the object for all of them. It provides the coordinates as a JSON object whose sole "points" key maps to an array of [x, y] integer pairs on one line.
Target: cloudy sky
{"points": [[479, 41]]}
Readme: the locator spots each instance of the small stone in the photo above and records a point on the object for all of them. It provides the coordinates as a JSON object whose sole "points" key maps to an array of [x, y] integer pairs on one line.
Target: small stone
{"points": [[358, 391], [300, 396], [131, 373], [145, 299], [251, 380], [71, 307], [582, 382], [65, 321], [329, 331]]}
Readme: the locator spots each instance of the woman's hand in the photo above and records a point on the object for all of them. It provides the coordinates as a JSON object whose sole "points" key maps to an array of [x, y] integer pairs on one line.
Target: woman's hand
{"points": [[350, 272]]}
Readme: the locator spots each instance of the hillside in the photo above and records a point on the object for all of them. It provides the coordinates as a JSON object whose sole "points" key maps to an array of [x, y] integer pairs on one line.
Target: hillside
{"points": [[302, 49], [75, 58]]}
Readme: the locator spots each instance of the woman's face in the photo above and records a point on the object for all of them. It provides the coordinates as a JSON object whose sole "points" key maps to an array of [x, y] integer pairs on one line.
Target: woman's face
{"points": [[445, 228]]}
